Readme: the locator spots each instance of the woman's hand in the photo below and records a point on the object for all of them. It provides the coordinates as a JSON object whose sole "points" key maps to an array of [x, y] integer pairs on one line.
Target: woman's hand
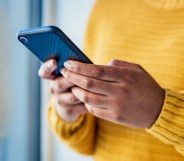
{"points": [[67, 106], [122, 92]]}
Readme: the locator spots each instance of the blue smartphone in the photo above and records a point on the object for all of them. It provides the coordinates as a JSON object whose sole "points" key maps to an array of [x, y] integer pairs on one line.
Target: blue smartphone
{"points": [[50, 42]]}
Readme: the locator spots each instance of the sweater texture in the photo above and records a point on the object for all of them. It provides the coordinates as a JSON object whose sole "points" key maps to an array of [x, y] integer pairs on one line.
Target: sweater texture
{"points": [[145, 32]]}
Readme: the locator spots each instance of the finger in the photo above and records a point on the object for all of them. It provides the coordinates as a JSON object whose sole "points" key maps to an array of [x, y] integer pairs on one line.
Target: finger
{"points": [[60, 85], [70, 110], [67, 98], [90, 98], [99, 112], [88, 83], [78, 108], [108, 73], [47, 69], [120, 63]]}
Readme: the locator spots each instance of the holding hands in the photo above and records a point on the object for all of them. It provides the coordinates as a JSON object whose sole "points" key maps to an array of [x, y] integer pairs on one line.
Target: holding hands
{"points": [[121, 92], [67, 106]]}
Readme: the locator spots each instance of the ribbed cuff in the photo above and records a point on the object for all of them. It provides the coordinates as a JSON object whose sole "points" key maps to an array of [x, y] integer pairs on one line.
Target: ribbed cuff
{"points": [[169, 127], [60, 126]]}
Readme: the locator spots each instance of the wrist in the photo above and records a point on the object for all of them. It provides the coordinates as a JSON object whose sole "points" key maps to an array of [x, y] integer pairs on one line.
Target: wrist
{"points": [[157, 108]]}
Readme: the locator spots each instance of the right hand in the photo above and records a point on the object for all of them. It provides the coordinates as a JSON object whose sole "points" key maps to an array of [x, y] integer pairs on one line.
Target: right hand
{"points": [[67, 106]]}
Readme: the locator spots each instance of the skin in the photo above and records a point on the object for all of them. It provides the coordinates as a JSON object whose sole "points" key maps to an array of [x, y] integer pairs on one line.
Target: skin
{"points": [[120, 92], [67, 106]]}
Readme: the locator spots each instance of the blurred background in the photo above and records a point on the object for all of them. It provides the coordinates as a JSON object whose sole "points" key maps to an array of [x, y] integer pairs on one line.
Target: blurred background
{"points": [[24, 134]]}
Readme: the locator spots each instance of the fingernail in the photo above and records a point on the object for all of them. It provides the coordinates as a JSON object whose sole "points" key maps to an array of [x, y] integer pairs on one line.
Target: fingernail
{"points": [[68, 65], [62, 71], [50, 64]]}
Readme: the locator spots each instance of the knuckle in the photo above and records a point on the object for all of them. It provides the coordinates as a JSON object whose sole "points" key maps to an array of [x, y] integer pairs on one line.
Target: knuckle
{"points": [[131, 78], [87, 83], [77, 68], [85, 98], [118, 113], [73, 99], [99, 72], [123, 91]]}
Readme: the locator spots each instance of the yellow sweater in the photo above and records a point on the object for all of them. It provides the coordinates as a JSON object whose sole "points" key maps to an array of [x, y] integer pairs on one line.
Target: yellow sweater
{"points": [[150, 33]]}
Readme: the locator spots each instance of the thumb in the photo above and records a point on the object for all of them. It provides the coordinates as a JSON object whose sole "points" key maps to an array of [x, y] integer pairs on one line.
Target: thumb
{"points": [[47, 69]]}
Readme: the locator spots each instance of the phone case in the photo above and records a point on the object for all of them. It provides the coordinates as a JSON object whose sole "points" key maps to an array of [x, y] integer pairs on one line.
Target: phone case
{"points": [[50, 42]]}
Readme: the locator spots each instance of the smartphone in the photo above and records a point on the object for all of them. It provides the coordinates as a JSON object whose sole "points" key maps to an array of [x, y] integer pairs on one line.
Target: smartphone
{"points": [[49, 42]]}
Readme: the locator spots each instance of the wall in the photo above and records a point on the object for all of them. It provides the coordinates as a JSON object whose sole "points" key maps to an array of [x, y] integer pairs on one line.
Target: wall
{"points": [[71, 16], [15, 97]]}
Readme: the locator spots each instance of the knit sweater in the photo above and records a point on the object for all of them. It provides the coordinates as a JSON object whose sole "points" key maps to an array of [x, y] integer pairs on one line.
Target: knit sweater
{"points": [[145, 32]]}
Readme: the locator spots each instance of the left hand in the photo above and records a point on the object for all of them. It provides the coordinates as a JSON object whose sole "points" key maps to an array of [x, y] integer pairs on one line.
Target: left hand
{"points": [[121, 92]]}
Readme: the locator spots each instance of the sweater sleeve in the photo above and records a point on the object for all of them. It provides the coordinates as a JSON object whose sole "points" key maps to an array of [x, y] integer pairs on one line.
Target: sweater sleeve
{"points": [[78, 135], [169, 127]]}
